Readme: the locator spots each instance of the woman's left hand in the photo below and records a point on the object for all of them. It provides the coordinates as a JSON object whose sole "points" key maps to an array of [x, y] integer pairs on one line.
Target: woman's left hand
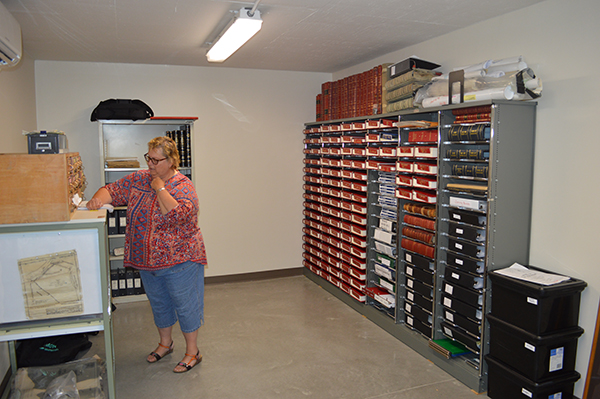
{"points": [[157, 183]]}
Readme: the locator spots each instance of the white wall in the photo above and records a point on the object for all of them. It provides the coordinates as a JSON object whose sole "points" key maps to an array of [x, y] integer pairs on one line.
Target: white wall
{"points": [[248, 145], [17, 105], [559, 41]]}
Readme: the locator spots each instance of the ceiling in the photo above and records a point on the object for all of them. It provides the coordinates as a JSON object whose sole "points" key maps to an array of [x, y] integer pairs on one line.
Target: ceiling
{"points": [[297, 35]]}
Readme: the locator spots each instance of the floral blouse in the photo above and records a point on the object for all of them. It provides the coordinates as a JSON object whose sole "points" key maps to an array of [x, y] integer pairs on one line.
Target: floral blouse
{"points": [[154, 241]]}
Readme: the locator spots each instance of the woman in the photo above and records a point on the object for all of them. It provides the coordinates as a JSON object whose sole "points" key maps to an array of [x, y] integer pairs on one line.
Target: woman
{"points": [[164, 242]]}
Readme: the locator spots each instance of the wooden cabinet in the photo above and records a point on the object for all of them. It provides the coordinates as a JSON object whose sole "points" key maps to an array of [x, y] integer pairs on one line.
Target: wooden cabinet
{"points": [[39, 188]]}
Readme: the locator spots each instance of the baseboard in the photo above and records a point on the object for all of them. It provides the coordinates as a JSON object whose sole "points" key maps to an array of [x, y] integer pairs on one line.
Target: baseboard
{"points": [[255, 276]]}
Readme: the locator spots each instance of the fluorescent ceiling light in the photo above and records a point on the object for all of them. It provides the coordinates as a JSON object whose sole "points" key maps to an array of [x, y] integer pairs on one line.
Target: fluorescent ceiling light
{"points": [[237, 32]]}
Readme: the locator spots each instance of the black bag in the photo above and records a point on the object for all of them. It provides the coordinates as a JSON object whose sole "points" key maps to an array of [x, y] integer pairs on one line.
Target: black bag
{"points": [[48, 351], [121, 109]]}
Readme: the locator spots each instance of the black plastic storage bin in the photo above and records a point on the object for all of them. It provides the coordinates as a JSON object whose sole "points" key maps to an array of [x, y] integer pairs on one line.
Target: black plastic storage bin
{"points": [[504, 383], [535, 308], [535, 357]]}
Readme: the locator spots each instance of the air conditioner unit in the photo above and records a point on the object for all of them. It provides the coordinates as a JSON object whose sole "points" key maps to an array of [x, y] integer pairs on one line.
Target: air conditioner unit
{"points": [[10, 39]]}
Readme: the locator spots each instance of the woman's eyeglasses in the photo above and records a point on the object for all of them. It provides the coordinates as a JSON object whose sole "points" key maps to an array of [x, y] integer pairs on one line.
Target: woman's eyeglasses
{"points": [[153, 160]]}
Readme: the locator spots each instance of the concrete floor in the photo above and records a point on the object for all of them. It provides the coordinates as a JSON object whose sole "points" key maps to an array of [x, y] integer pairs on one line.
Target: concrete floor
{"points": [[279, 338]]}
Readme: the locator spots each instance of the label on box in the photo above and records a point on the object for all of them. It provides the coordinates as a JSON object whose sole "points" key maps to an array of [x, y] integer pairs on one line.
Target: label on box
{"points": [[526, 393], [448, 302], [557, 395], [450, 316], [529, 346], [449, 289], [532, 301], [556, 359]]}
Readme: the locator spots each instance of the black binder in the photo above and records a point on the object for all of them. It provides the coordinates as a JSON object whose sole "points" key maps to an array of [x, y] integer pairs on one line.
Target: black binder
{"points": [[111, 221], [122, 222], [137, 283], [122, 282], [114, 283], [130, 290]]}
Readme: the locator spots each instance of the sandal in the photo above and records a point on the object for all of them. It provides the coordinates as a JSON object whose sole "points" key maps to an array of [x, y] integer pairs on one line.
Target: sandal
{"points": [[188, 366], [157, 356]]}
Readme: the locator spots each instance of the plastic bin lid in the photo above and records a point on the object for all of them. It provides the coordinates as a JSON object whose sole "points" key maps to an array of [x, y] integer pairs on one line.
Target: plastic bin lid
{"points": [[565, 288], [547, 339]]}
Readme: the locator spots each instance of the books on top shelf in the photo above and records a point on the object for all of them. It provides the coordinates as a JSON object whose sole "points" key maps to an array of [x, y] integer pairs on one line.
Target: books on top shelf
{"points": [[183, 139]]}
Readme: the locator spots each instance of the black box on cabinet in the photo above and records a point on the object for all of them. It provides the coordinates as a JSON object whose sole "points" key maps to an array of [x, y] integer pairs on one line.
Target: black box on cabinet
{"points": [[417, 324], [463, 262], [467, 324], [473, 343], [535, 308], [419, 260], [476, 219], [47, 143], [463, 279], [464, 309], [536, 357], [505, 383]]}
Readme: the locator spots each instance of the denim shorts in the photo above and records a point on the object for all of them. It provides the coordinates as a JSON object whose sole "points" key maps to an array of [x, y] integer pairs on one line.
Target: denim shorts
{"points": [[176, 293]]}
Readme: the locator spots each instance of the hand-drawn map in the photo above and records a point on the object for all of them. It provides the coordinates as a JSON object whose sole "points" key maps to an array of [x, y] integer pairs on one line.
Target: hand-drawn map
{"points": [[51, 285]]}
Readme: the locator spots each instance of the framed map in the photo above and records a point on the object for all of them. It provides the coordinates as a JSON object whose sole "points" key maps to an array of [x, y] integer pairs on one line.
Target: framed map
{"points": [[51, 285]]}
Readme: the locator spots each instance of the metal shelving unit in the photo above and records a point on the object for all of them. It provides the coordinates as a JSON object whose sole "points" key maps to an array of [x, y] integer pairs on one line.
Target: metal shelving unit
{"points": [[86, 233], [498, 235], [129, 139]]}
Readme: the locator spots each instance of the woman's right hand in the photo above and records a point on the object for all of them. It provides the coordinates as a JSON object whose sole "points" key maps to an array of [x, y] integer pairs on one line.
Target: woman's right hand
{"points": [[94, 203]]}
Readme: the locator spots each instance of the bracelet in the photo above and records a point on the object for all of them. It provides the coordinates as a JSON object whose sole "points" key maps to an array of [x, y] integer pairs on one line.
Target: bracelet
{"points": [[160, 189]]}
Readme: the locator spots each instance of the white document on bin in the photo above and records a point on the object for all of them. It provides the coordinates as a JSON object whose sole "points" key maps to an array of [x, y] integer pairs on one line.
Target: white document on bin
{"points": [[520, 272]]}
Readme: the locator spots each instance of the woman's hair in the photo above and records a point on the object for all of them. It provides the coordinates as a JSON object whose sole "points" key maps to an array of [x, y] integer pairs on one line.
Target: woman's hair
{"points": [[168, 147]]}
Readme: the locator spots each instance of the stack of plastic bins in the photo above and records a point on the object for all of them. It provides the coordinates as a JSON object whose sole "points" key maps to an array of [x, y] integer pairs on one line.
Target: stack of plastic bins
{"points": [[533, 338]]}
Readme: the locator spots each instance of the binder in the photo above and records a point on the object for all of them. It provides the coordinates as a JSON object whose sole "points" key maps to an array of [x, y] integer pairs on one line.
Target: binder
{"points": [[114, 283], [122, 222], [137, 283], [122, 282], [130, 290], [111, 222], [188, 146]]}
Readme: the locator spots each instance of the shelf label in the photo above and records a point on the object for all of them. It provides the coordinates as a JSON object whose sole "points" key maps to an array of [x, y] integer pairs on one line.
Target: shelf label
{"points": [[526, 393]]}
